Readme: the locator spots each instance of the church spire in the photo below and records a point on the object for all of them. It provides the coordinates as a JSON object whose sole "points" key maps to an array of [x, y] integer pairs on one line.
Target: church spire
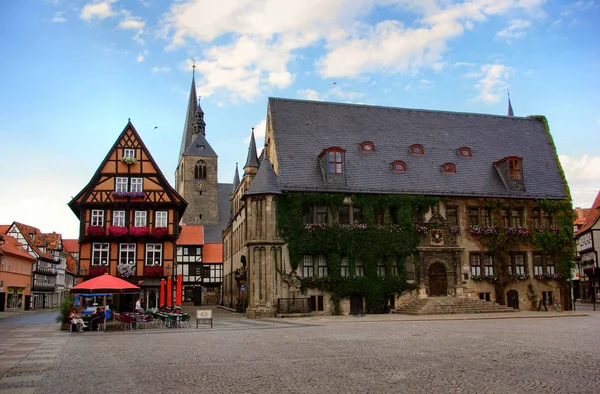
{"points": [[252, 160], [188, 128], [510, 108], [236, 179]]}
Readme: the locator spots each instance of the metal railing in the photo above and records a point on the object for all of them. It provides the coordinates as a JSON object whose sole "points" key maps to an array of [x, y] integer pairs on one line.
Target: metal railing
{"points": [[293, 305]]}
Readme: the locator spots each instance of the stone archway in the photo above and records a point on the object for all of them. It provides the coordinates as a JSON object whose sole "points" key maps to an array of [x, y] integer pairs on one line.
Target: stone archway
{"points": [[512, 299], [438, 281]]}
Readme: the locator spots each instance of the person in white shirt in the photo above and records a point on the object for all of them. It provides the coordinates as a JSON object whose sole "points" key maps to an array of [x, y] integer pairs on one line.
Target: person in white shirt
{"points": [[138, 305]]}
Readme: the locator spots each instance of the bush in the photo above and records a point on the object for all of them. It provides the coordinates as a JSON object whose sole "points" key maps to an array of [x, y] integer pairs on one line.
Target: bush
{"points": [[65, 305]]}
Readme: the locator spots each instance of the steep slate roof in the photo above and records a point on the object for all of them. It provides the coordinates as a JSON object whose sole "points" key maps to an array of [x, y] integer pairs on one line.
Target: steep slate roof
{"points": [[213, 232], [302, 129], [236, 179], [200, 147], [188, 128], [592, 216], [265, 181], [252, 160]]}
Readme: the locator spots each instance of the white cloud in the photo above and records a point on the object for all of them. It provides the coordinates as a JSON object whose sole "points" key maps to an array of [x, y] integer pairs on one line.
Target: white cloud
{"points": [[309, 94], [58, 18], [162, 69], [492, 83], [142, 56], [97, 10], [249, 44], [260, 130], [466, 64], [131, 24], [583, 176], [514, 30]]}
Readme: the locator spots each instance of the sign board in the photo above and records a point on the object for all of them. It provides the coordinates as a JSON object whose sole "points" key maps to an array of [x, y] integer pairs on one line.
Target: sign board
{"points": [[203, 314], [243, 287]]}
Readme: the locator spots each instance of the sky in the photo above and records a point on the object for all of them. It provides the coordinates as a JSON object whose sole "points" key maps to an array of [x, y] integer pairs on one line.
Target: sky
{"points": [[72, 72]]}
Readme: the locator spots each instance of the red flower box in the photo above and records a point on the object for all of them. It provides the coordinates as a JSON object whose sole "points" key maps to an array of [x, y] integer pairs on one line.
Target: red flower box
{"points": [[153, 270], [97, 270], [159, 232], [138, 231], [118, 231], [95, 231]]}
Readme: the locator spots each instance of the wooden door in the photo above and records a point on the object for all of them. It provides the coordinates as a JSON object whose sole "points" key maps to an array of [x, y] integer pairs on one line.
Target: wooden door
{"points": [[512, 299], [438, 284], [197, 296], [356, 305]]}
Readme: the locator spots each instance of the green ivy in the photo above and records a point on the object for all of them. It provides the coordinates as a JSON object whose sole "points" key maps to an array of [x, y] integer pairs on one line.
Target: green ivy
{"points": [[368, 243]]}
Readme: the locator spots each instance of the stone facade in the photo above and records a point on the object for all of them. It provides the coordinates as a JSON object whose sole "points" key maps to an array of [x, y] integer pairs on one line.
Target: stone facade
{"points": [[200, 193]]}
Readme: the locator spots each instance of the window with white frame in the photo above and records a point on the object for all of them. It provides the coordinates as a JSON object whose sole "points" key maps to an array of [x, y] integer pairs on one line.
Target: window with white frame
{"points": [[345, 267], [488, 264], [97, 217], [154, 254], [119, 218], [517, 264], [380, 268], [538, 264], [140, 218], [137, 185], [161, 219], [128, 152], [121, 185], [550, 266], [100, 253], [127, 254], [475, 261]]}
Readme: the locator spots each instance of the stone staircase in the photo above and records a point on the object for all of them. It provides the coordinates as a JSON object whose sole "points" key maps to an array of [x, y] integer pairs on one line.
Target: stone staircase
{"points": [[449, 305]]}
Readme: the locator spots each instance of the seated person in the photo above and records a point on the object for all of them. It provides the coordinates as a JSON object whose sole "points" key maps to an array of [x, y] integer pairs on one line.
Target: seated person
{"points": [[177, 309], [98, 317], [76, 320]]}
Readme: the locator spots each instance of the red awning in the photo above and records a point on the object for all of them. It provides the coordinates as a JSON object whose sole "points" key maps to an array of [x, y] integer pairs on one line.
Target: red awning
{"points": [[105, 284]]}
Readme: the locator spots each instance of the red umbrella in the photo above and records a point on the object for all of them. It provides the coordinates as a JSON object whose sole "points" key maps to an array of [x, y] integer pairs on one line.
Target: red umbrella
{"points": [[105, 284]]}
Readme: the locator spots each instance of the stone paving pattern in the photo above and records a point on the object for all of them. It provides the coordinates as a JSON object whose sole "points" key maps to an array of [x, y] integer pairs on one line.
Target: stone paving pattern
{"points": [[371, 354]]}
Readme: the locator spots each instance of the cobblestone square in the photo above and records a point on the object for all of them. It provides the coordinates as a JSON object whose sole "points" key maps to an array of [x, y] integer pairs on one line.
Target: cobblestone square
{"points": [[323, 355]]}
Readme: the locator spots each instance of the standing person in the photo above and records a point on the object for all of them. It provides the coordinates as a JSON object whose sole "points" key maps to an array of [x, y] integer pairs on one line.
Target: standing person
{"points": [[138, 305]]}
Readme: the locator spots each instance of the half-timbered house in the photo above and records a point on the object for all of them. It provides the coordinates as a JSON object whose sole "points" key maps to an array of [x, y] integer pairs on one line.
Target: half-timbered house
{"points": [[129, 219]]}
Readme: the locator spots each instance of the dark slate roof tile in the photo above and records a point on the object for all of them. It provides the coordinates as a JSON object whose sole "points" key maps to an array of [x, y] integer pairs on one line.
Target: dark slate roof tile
{"points": [[200, 147], [265, 181]]}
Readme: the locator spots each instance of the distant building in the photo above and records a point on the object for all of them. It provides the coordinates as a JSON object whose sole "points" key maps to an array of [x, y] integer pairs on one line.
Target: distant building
{"points": [[16, 267], [350, 206], [587, 239]]}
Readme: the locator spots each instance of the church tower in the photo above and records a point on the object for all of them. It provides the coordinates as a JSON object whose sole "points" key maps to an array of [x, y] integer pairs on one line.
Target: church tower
{"points": [[196, 175]]}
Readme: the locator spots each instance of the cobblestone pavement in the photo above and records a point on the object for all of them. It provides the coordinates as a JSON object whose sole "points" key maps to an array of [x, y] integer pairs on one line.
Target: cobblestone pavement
{"points": [[542, 355]]}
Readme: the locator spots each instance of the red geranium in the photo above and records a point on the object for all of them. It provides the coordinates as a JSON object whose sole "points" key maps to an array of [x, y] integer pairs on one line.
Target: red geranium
{"points": [[117, 231], [153, 270], [97, 270], [159, 232], [138, 231], [95, 231]]}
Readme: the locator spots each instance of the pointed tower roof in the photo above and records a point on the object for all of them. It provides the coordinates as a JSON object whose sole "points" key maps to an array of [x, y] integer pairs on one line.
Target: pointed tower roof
{"points": [[188, 128], [510, 108], [236, 179], [199, 147], [265, 181], [252, 160]]}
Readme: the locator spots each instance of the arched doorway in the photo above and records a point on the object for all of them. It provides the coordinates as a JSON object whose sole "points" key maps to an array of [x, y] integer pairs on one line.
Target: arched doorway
{"points": [[512, 299], [438, 283]]}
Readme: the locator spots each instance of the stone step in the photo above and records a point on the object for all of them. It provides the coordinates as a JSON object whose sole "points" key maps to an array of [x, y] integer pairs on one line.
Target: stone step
{"points": [[450, 305]]}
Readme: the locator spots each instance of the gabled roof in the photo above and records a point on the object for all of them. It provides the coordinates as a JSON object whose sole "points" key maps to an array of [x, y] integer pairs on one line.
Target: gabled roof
{"points": [[71, 245], [71, 265], [302, 129], [191, 235], [200, 147], [212, 253], [27, 232], [178, 200], [592, 216], [14, 248], [265, 181], [4, 228]]}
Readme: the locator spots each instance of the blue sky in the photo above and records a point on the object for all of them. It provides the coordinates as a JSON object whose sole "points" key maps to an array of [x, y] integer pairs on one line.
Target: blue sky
{"points": [[74, 71]]}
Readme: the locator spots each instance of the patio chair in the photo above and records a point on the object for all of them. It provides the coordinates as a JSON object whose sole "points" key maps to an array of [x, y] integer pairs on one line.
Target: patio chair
{"points": [[185, 320], [126, 321], [100, 323]]}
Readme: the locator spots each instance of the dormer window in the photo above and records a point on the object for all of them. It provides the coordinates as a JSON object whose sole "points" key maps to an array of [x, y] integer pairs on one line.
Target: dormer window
{"points": [[367, 146], [464, 152], [416, 149], [331, 161], [514, 169], [448, 168], [398, 166]]}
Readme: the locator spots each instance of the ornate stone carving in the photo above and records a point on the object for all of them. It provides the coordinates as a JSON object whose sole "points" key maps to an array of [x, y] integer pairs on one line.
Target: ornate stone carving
{"points": [[293, 281]]}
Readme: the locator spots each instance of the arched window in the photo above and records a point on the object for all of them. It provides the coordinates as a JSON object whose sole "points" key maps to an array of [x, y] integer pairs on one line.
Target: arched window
{"points": [[416, 149], [200, 170], [398, 166], [449, 168]]}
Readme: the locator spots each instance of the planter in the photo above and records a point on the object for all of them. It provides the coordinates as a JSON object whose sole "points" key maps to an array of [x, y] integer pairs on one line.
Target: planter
{"points": [[95, 231], [129, 160], [138, 231], [129, 194], [159, 232], [98, 270], [153, 271], [118, 231], [126, 270]]}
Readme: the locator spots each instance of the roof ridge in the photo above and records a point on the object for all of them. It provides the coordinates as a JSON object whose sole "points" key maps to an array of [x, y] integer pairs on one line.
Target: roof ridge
{"points": [[400, 108]]}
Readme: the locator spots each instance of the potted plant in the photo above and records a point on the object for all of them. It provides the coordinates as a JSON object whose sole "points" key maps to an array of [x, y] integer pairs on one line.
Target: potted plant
{"points": [[159, 232], [118, 231], [95, 231], [63, 313], [138, 231], [126, 270], [129, 160]]}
